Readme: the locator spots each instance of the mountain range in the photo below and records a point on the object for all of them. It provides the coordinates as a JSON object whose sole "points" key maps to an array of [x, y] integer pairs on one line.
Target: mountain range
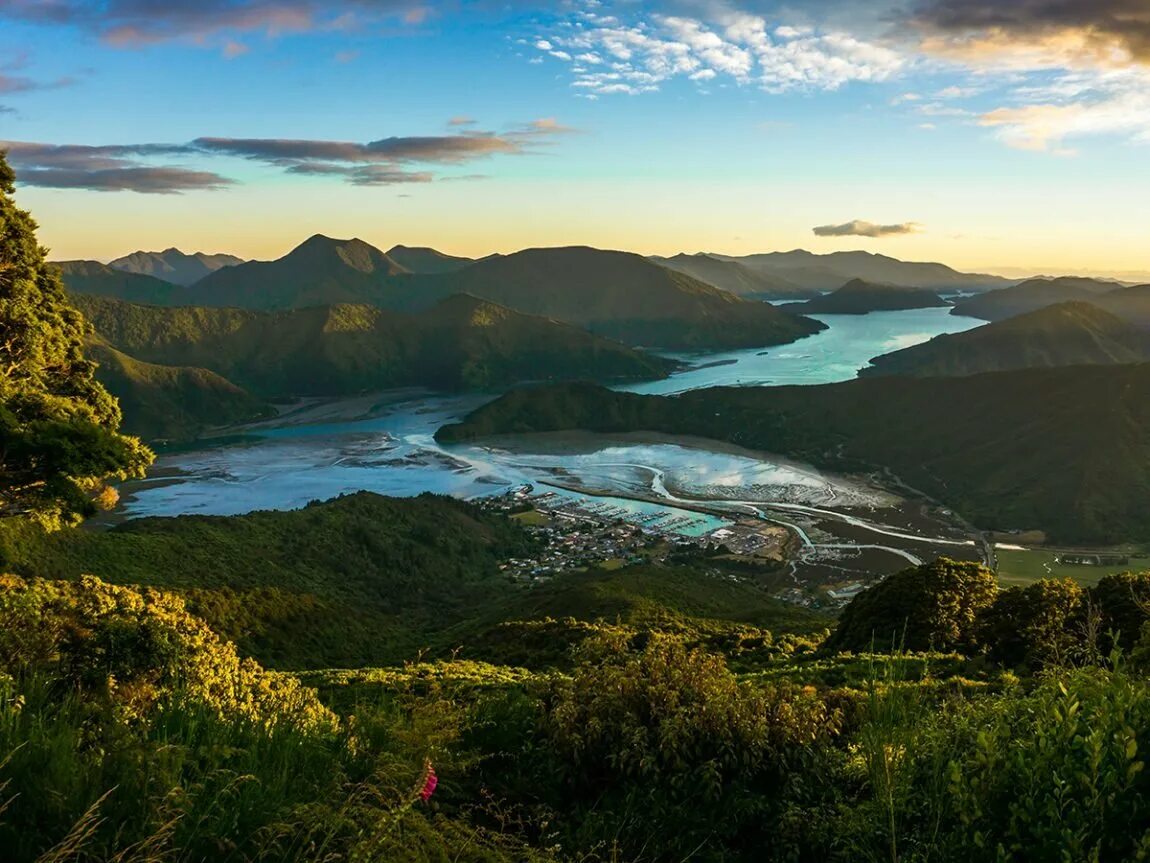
{"points": [[191, 355], [174, 266], [736, 277], [614, 294], [1065, 450], [830, 272], [1066, 334], [1031, 295], [857, 297]]}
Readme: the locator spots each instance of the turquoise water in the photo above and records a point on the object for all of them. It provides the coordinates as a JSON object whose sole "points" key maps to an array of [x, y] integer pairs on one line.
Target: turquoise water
{"points": [[396, 454], [835, 354]]}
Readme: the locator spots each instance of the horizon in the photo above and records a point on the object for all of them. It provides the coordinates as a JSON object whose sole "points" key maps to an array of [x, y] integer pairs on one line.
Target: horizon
{"points": [[993, 137], [1006, 272]]}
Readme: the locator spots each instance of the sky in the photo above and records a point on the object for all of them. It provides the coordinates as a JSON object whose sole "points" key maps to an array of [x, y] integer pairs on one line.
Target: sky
{"points": [[994, 135]]}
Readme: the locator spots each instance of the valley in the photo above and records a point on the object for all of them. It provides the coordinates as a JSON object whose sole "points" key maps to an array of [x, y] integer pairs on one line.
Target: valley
{"points": [[845, 529]]}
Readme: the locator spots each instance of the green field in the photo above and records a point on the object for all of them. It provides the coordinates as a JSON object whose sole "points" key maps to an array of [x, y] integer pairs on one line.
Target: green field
{"points": [[1024, 567]]}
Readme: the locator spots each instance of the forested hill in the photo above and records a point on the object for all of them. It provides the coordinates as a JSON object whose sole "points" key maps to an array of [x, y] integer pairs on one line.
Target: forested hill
{"points": [[462, 342], [1063, 450], [857, 297], [1067, 334]]}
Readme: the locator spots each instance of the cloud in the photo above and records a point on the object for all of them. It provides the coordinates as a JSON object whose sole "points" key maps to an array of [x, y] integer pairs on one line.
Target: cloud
{"points": [[132, 23], [461, 121], [364, 175], [442, 149], [233, 49], [155, 181], [859, 228], [10, 84], [1046, 126], [635, 53], [106, 168], [388, 161], [1044, 32]]}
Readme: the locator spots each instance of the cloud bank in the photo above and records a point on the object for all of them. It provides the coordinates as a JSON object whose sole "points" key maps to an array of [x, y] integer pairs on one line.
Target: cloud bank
{"points": [[388, 161], [859, 228]]}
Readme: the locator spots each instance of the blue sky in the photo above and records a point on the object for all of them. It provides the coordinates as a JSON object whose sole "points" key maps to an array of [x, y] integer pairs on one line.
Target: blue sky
{"points": [[986, 133]]}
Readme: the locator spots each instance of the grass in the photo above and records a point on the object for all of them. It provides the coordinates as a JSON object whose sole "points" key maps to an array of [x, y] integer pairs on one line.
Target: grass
{"points": [[532, 518], [1020, 568]]}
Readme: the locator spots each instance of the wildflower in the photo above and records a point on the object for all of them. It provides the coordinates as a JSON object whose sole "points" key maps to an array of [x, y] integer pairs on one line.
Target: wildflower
{"points": [[430, 781]]}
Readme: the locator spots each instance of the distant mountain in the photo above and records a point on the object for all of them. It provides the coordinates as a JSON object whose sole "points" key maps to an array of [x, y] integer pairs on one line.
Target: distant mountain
{"points": [[96, 279], [1032, 295], [1130, 304], [171, 403], [174, 266], [425, 261], [320, 271], [461, 343], [1067, 334], [735, 277], [615, 294], [1064, 450], [830, 272], [857, 297]]}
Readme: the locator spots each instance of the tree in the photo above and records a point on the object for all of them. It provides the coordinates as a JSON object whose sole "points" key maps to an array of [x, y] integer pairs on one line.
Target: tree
{"points": [[1040, 624], [929, 607], [1124, 603], [59, 444]]}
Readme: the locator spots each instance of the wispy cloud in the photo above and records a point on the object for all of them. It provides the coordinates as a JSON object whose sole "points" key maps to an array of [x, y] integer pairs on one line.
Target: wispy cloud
{"points": [[131, 23], [859, 228], [388, 161]]}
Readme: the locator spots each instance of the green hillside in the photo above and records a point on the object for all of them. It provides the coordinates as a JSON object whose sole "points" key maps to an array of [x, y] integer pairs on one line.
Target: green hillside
{"points": [[358, 580], [618, 295], [1032, 295], [171, 402], [320, 271], [1130, 304], [1063, 450], [1067, 334], [99, 280], [857, 297], [420, 259], [461, 343], [734, 277]]}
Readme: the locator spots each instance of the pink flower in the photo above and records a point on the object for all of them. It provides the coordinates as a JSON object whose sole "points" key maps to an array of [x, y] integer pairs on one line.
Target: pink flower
{"points": [[430, 781]]}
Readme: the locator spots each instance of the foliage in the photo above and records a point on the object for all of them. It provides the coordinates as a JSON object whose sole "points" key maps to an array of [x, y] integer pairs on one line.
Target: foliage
{"points": [[1040, 624], [667, 753], [130, 732], [930, 607], [58, 439], [1055, 774], [359, 580]]}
